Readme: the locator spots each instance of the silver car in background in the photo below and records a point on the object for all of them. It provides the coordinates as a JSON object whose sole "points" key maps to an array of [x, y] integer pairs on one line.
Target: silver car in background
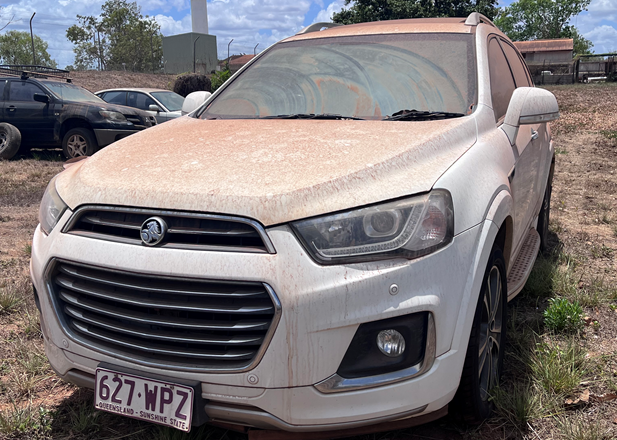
{"points": [[164, 105]]}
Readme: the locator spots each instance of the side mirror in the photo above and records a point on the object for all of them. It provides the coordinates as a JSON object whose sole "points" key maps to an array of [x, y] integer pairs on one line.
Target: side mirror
{"points": [[154, 108], [193, 101], [40, 97], [529, 105]]}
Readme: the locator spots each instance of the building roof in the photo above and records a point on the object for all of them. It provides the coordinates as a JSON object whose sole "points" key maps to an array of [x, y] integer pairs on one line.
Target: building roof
{"points": [[545, 45], [241, 60]]}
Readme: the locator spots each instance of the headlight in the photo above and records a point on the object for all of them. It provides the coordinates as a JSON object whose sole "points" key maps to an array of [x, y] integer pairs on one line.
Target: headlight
{"points": [[52, 208], [112, 116], [406, 228]]}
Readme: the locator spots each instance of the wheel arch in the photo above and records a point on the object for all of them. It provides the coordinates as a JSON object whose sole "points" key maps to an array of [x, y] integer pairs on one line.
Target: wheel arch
{"points": [[500, 213], [71, 123]]}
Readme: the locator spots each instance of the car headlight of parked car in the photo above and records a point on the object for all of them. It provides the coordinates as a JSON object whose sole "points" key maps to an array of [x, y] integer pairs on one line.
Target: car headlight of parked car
{"points": [[112, 116], [407, 228], [52, 208]]}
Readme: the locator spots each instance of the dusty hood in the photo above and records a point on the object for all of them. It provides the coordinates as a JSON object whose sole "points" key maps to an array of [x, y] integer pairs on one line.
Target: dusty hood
{"points": [[273, 171]]}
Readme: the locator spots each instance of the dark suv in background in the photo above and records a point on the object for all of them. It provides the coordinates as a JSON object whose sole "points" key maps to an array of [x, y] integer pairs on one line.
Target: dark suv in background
{"points": [[51, 112]]}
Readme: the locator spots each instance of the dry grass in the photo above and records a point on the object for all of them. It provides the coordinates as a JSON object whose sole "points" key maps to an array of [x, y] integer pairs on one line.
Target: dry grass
{"points": [[544, 370]]}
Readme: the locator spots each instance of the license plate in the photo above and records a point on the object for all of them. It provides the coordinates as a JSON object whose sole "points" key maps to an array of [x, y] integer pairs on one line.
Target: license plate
{"points": [[141, 398]]}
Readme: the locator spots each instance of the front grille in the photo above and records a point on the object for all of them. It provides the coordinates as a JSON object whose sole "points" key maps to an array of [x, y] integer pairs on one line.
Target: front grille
{"points": [[136, 120], [186, 230], [170, 322]]}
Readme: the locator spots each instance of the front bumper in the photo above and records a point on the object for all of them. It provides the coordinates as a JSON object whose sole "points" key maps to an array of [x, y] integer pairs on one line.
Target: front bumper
{"points": [[106, 136], [321, 309]]}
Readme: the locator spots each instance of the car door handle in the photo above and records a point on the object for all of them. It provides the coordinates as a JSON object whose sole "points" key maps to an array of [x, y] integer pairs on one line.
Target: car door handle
{"points": [[534, 135], [11, 108]]}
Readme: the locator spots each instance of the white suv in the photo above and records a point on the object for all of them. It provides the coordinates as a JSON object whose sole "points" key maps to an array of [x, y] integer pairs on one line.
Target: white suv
{"points": [[329, 241]]}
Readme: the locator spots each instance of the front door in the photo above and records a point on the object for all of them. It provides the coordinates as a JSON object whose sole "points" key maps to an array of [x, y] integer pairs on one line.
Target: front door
{"points": [[35, 120]]}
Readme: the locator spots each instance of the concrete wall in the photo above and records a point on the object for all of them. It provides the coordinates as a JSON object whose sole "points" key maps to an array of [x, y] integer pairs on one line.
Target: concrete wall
{"points": [[178, 53]]}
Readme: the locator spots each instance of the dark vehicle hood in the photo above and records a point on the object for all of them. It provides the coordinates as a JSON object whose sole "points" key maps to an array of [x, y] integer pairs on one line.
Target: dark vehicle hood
{"points": [[106, 106]]}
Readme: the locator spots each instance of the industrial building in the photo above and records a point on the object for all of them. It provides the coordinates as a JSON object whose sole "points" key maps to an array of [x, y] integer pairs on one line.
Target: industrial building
{"points": [[194, 51]]}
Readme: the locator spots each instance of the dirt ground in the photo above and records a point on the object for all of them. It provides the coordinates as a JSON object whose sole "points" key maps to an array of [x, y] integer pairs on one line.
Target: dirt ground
{"points": [[95, 81], [555, 385]]}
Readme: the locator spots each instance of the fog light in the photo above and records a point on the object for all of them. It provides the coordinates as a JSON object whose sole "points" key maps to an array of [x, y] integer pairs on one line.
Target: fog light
{"points": [[391, 343]]}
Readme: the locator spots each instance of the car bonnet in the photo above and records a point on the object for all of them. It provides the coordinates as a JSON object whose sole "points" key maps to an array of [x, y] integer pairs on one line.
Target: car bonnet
{"points": [[273, 171]]}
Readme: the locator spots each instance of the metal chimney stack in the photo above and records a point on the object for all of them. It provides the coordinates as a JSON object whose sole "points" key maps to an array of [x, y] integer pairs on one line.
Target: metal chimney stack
{"points": [[199, 16]]}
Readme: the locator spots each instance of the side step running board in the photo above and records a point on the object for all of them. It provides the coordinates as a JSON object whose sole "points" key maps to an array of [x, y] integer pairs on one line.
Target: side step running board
{"points": [[524, 263]]}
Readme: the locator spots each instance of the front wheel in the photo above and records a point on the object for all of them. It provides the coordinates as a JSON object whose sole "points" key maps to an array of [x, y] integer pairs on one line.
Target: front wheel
{"points": [[79, 142], [484, 359]]}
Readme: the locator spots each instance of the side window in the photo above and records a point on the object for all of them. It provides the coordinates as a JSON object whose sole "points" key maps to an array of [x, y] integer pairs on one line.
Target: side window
{"points": [[140, 101], [23, 91], [2, 83], [502, 83], [115, 97], [518, 69]]}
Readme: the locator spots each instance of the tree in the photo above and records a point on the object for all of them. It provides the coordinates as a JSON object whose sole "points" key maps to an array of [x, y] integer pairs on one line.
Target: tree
{"points": [[376, 10], [16, 48], [543, 19], [120, 38]]}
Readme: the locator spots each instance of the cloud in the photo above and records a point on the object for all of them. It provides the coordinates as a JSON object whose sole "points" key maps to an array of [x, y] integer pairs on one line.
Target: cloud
{"points": [[248, 22], [325, 15], [604, 38]]}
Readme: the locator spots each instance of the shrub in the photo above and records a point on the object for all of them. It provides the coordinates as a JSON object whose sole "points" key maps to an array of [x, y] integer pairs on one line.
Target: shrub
{"points": [[219, 78], [563, 316], [190, 83]]}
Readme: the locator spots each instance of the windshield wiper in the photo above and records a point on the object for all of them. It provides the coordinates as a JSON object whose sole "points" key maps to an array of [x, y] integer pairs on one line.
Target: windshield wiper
{"points": [[412, 115], [311, 116]]}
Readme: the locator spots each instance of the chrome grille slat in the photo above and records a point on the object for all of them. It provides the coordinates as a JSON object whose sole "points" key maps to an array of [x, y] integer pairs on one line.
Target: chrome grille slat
{"points": [[99, 307], [146, 285], [211, 232], [161, 335], [136, 300], [171, 322], [145, 346], [98, 221], [185, 230]]}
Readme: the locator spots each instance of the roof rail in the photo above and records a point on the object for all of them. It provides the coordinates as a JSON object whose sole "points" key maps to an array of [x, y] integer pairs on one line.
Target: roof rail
{"points": [[315, 27], [26, 71], [475, 18]]}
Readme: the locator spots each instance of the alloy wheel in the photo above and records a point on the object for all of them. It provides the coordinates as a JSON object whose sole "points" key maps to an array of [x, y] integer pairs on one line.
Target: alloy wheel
{"points": [[77, 145], [3, 140], [490, 333]]}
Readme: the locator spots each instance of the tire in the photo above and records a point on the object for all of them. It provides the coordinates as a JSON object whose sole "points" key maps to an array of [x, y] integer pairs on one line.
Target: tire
{"points": [[79, 142], [544, 215], [484, 358], [10, 140]]}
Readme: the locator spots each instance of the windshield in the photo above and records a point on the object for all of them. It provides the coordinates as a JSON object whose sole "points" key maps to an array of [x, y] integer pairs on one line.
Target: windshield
{"points": [[368, 77], [172, 101], [70, 92]]}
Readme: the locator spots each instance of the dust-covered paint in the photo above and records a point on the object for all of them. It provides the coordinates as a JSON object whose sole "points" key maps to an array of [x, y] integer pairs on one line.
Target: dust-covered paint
{"points": [[273, 171]]}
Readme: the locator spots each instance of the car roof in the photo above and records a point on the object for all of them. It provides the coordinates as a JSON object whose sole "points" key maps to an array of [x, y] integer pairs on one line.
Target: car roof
{"points": [[133, 89], [414, 25]]}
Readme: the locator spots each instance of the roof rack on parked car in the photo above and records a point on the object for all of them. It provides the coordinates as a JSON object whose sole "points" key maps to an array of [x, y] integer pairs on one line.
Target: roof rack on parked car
{"points": [[475, 18], [315, 27], [26, 71]]}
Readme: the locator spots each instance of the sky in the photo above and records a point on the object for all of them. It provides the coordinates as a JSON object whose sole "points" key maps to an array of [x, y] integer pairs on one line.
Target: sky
{"points": [[248, 22]]}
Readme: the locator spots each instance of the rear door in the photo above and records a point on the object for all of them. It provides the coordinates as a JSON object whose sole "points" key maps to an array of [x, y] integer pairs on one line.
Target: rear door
{"points": [[35, 120], [114, 97], [143, 102]]}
